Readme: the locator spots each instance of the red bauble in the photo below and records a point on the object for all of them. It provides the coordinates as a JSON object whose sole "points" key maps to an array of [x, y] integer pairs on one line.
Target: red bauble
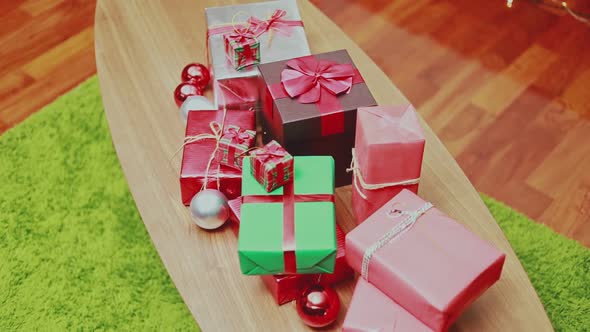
{"points": [[184, 90], [197, 74], [318, 306]]}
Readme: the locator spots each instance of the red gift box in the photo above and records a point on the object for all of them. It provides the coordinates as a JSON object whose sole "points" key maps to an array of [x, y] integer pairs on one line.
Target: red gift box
{"points": [[286, 288], [233, 146], [196, 155], [272, 166], [392, 131]]}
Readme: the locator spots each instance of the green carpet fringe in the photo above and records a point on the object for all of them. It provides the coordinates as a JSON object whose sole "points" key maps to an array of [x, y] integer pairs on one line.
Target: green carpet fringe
{"points": [[75, 255]]}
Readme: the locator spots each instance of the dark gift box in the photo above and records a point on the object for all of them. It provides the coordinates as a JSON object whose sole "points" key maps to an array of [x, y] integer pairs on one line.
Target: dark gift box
{"points": [[310, 104]]}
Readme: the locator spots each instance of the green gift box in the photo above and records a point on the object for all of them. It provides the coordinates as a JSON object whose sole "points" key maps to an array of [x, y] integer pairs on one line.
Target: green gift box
{"points": [[291, 230]]}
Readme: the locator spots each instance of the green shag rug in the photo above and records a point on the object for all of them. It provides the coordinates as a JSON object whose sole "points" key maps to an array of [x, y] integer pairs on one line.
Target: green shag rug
{"points": [[74, 253]]}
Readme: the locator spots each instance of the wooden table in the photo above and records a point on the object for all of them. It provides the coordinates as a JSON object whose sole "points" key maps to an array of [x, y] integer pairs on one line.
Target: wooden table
{"points": [[141, 46]]}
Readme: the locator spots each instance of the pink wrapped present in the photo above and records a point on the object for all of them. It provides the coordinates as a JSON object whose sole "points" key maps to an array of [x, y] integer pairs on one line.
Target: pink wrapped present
{"points": [[424, 260], [387, 158], [372, 311]]}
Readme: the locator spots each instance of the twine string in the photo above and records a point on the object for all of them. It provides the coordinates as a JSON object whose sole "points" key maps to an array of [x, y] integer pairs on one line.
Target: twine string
{"points": [[411, 217], [216, 134], [359, 181]]}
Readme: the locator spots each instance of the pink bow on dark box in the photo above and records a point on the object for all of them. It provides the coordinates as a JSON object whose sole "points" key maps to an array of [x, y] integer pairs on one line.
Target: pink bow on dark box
{"points": [[306, 77]]}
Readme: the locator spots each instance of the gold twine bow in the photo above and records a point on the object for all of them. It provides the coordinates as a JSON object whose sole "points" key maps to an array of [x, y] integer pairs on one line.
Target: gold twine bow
{"points": [[360, 181]]}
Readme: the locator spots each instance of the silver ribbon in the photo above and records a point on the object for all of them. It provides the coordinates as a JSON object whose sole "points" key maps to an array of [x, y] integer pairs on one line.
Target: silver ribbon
{"points": [[399, 229]]}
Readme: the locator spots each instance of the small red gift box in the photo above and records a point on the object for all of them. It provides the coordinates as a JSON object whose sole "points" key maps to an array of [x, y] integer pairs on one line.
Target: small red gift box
{"points": [[392, 131], [196, 170], [423, 260], [286, 288], [234, 145], [370, 310], [242, 48], [272, 166]]}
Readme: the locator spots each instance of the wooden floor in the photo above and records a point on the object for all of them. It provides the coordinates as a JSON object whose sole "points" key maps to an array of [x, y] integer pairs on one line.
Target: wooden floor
{"points": [[507, 90]]}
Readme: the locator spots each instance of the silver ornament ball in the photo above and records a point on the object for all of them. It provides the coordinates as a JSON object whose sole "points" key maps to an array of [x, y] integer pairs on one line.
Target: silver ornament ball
{"points": [[209, 209]]}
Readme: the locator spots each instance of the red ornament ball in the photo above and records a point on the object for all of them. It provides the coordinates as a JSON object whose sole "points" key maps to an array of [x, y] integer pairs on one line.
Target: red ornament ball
{"points": [[197, 74], [318, 306], [184, 90]]}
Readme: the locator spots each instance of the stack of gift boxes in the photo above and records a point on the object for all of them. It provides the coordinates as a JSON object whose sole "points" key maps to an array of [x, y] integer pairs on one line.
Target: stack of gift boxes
{"points": [[321, 128]]}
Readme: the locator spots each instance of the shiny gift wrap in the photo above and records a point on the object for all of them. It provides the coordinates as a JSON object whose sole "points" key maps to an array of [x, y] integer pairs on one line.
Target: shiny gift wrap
{"points": [[272, 166], [391, 131], [310, 105], [290, 230], [279, 32], [286, 288], [195, 156], [434, 268], [370, 310]]}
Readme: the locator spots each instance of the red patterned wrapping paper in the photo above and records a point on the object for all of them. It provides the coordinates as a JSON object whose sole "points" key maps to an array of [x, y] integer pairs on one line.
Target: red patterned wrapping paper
{"points": [[234, 145], [286, 288], [242, 48], [434, 267], [272, 166], [196, 155], [392, 131], [371, 311]]}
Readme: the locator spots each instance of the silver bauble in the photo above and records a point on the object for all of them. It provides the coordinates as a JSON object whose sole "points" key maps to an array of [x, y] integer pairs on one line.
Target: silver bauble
{"points": [[209, 209], [195, 103]]}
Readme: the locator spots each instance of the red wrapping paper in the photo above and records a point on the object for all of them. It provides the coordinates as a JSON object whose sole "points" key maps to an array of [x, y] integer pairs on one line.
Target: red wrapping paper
{"points": [[272, 166], [370, 311], [435, 269], [286, 288], [196, 155], [392, 131]]}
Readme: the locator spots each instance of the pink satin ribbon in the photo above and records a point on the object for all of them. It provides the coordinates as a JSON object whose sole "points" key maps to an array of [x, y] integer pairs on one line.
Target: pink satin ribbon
{"points": [[320, 82], [308, 78], [275, 23]]}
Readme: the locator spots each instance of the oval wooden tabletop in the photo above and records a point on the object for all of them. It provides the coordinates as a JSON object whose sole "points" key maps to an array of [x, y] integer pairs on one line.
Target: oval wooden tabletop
{"points": [[141, 46]]}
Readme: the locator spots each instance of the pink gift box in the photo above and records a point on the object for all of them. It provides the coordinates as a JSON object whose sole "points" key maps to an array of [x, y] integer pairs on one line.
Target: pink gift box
{"points": [[389, 146], [372, 311], [433, 267]]}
